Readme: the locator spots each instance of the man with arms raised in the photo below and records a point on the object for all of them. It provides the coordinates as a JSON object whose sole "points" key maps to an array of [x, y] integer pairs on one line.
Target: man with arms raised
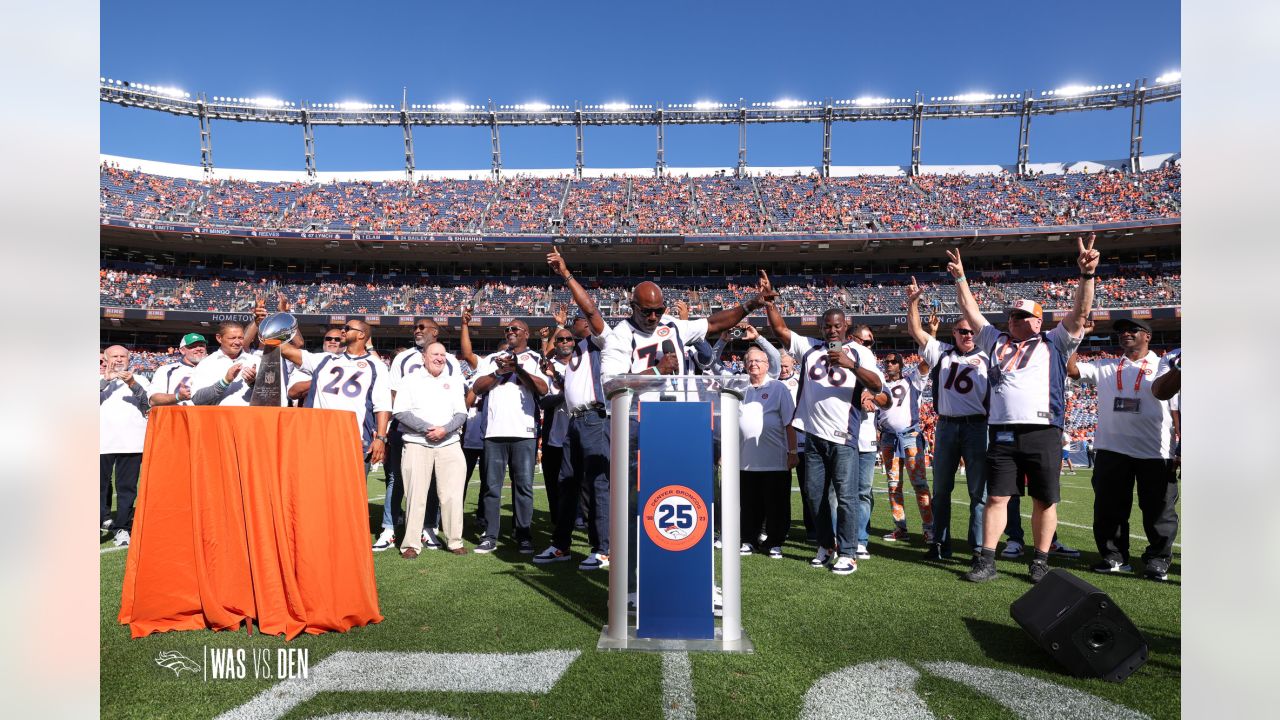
{"points": [[833, 374], [1027, 368], [959, 373]]}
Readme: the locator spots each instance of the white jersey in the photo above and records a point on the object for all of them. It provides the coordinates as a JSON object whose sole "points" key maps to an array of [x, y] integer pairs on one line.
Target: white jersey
{"points": [[555, 426], [582, 386], [214, 368], [960, 384], [349, 382], [629, 350], [1027, 378], [1131, 421], [828, 400], [764, 414], [411, 360], [435, 399], [510, 405], [169, 379], [903, 413], [122, 416]]}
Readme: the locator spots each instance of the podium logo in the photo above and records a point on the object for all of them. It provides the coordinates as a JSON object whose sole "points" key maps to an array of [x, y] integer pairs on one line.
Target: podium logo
{"points": [[675, 518], [177, 662]]}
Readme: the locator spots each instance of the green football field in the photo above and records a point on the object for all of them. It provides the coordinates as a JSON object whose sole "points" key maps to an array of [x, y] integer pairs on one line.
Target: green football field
{"points": [[900, 638]]}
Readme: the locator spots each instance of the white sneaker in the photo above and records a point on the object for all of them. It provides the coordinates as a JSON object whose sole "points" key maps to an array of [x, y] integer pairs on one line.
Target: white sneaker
{"points": [[862, 553], [429, 541], [844, 566], [106, 526], [775, 553], [1012, 549], [122, 538], [594, 561], [761, 538], [550, 555], [717, 601], [385, 541], [821, 558], [744, 549]]}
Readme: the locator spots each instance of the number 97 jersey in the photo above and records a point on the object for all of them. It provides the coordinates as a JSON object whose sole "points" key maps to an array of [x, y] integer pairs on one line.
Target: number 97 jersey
{"points": [[960, 384]]}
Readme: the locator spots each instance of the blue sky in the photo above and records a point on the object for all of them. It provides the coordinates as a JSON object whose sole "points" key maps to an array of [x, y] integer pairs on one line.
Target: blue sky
{"points": [[653, 51]]}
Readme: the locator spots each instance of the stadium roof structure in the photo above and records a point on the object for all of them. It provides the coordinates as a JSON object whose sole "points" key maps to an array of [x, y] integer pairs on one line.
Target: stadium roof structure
{"points": [[919, 107]]}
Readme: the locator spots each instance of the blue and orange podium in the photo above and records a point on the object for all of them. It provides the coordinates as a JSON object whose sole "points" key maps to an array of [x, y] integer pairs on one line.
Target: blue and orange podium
{"points": [[663, 505]]}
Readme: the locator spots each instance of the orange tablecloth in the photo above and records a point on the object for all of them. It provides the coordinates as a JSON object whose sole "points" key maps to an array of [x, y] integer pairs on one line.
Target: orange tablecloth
{"points": [[250, 513]]}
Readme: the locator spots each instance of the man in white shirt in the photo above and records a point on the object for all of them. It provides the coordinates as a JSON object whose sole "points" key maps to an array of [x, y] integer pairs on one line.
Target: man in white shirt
{"points": [[122, 428], [1027, 376], [898, 420], [171, 383], [833, 374], [1135, 444], [431, 408], [768, 453], [511, 383], [959, 374], [226, 376]]}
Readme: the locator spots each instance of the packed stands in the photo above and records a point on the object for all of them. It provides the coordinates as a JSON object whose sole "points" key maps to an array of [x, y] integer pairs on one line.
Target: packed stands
{"points": [[684, 205]]}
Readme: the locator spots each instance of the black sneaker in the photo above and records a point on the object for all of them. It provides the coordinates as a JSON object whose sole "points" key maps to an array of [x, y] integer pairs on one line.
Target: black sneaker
{"points": [[525, 547], [486, 546], [934, 552], [1157, 569], [1112, 566], [983, 570], [1038, 569]]}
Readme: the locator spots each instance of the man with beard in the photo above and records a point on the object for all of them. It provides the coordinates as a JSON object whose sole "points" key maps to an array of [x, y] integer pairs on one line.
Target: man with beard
{"points": [[171, 383], [1135, 444], [960, 396], [1027, 371]]}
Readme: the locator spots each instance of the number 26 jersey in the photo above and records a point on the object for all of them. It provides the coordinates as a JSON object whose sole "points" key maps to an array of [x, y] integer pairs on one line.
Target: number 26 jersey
{"points": [[346, 382]]}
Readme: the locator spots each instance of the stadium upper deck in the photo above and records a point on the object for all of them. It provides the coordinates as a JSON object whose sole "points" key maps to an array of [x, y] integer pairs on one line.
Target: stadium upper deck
{"points": [[695, 202]]}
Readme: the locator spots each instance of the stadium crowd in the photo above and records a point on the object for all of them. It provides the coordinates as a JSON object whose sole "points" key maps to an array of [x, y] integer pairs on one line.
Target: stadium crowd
{"points": [[534, 398], [624, 204]]}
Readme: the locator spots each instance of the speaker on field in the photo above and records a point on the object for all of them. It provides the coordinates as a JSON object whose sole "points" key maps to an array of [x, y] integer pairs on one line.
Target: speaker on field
{"points": [[1080, 627]]}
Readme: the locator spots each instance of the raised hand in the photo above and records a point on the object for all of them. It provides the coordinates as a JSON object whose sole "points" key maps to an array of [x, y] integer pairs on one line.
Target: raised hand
{"points": [[282, 302], [1088, 260], [749, 332], [955, 267], [557, 263], [682, 310], [561, 315], [259, 309], [765, 288], [913, 291], [466, 315], [934, 323], [544, 332]]}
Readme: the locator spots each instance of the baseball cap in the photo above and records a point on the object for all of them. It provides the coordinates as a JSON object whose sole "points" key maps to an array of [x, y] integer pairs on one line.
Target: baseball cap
{"points": [[1027, 306], [1135, 322], [191, 339]]}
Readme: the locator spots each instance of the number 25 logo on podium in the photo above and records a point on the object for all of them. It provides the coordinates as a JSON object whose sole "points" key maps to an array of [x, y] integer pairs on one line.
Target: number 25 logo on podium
{"points": [[675, 518]]}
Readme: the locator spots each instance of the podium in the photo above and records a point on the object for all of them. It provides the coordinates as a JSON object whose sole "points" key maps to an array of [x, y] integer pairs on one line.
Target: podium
{"points": [[662, 503]]}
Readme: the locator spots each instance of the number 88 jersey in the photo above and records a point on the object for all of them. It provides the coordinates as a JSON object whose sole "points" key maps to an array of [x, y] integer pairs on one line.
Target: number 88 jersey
{"points": [[960, 384], [827, 400]]}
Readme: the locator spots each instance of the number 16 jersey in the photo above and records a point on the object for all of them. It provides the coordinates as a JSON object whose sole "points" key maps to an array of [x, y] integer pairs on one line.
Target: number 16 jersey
{"points": [[959, 380]]}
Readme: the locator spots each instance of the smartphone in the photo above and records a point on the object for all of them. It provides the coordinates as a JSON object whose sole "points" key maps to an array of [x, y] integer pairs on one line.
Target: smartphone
{"points": [[833, 345]]}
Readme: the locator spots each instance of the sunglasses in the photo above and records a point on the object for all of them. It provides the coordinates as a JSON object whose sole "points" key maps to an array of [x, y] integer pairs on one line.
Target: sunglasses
{"points": [[348, 328], [423, 327], [658, 311], [564, 338], [514, 329], [962, 332], [333, 338], [867, 342], [1020, 316]]}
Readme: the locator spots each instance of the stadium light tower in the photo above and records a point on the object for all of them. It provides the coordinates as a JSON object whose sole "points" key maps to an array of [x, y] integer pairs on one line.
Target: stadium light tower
{"points": [[1024, 135], [917, 129], [660, 168], [577, 133], [1135, 124], [309, 143], [206, 135], [742, 138], [408, 134], [493, 138]]}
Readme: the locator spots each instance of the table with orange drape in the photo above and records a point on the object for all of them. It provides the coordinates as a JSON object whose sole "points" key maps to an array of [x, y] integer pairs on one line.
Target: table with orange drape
{"points": [[253, 514]]}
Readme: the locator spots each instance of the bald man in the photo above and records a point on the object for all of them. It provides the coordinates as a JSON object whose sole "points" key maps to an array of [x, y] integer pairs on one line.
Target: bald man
{"points": [[122, 427]]}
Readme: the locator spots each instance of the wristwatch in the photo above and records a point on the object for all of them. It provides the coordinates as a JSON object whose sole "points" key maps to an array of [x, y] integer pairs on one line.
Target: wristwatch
{"points": [[383, 438]]}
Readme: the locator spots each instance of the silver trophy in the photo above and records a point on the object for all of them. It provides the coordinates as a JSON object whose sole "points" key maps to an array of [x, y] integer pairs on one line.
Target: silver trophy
{"points": [[268, 387]]}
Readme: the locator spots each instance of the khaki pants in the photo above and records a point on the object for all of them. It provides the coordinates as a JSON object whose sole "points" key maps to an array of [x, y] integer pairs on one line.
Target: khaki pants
{"points": [[450, 467]]}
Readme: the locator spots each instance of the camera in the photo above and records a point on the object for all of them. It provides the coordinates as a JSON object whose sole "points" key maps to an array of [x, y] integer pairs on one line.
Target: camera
{"points": [[735, 333]]}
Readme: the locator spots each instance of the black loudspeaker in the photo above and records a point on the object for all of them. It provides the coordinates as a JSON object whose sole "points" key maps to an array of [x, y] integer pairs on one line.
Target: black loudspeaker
{"points": [[1080, 627]]}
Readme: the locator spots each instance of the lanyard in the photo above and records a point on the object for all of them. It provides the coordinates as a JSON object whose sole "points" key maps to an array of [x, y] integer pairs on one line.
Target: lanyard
{"points": [[1120, 374]]}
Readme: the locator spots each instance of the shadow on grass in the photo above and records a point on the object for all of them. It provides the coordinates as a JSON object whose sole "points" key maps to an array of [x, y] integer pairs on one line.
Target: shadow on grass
{"points": [[1009, 643], [578, 593]]}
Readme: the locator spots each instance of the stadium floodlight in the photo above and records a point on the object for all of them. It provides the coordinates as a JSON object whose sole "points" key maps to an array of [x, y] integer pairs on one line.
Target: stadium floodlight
{"points": [[534, 107], [1070, 90], [864, 101], [787, 103], [352, 105], [268, 102], [706, 105], [973, 97], [1169, 77], [453, 107], [616, 106]]}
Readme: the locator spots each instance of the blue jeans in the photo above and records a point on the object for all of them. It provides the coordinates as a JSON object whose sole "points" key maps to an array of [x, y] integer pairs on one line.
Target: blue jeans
{"points": [[517, 455], [831, 465], [956, 440], [866, 469]]}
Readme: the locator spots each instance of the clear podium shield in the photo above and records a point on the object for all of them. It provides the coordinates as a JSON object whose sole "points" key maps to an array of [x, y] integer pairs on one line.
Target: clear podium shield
{"points": [[633, 401]]}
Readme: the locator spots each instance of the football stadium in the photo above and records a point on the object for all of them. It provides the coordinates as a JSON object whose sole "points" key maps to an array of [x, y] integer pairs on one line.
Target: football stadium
{"points": [[509, 618]]}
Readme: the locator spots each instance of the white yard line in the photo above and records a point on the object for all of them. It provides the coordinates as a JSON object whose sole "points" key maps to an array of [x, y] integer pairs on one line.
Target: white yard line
{"points": [[677, 687]]}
